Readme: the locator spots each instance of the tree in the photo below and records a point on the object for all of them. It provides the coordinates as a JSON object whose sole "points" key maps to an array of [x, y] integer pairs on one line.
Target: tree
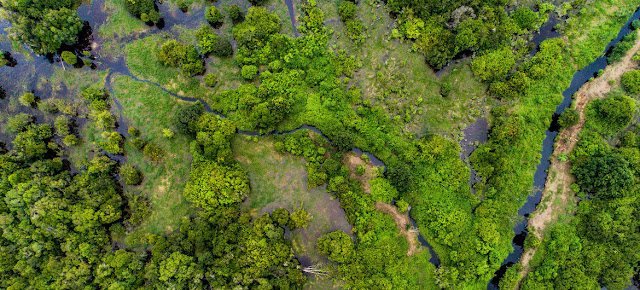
{"points": [[213, 15], [299, 219], [184, 118], [249, 72], [605, 176], [172, 53], [525, 18], [210, 80], [28, 100], [337, 245], [494, 65], [569, 118], [46, 30], [631, 81], [213, 185], [347, 10], [280, 216], [178, 269], [19, 122], [235, 12], [130, 175], [614, 112]]}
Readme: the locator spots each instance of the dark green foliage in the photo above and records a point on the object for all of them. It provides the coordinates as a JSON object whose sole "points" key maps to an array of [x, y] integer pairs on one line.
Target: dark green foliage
{"points": [[569, 118], [337, 245], [511, 277], [49, 106], [235, 13], [153, 152], [622, 47], [606, 176], [213, 15], [183, 6], [140, 209], [628, 139], [130, 175], [213, 137], [139, 7], [258, 2], [631, 81], [44, 27], [137, 143], [184, 118], [445, 89], [280, 217], [612, 114], [63, 125], [347, 10], [401, 177], [516, 86], [525, 18], [69, 57]]}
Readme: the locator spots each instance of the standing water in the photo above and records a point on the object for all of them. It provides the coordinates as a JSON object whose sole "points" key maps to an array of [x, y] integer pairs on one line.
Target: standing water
{"points": [[540, 176]]}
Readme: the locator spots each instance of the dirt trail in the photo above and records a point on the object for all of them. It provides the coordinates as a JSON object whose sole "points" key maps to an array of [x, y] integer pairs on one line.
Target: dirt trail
{"points": [[403, 223], [558, 184]]}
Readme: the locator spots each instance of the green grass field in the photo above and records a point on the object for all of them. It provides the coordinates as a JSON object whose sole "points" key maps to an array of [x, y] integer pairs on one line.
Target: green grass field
{"points": [[279, 180]]}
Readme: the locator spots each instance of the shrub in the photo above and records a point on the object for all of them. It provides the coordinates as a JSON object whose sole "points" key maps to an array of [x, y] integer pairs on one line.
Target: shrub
{"points": [[631, 81], [525, 18], [337, 246], [184, 7], [133, 131], [69, 57], [63, 125], [614, 112], [71, 140], [137, 7], [130, 175], [19, 122], [249, 72], [153, 152], [445, 89], [49, 106], [628, 139], [114, 143], [172, 53], [167, 133], [213, 15], [222, 47], [354, 29], [28, 100], [347, 10], [361, 169], [235, 13], [569, 118], [299, 219], [137, 143], [104, 120], [211, 80], [280, 216]]}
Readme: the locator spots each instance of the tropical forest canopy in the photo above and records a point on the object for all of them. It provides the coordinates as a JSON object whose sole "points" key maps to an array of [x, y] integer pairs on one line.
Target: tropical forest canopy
{"points": [[138, 161]]}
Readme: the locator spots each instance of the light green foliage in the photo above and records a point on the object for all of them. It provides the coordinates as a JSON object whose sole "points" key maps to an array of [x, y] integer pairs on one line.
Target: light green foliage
{"points": [[402, 205], [213, 185], [28, 100], [167, 133], [19, 122], [71, 140], [69, 57], [361, 169], [299, 219], [153, 152], [130, 175], [532, 241], [622, 47], [113, 144], [211, 80], [494, 65], [63, 125], [104, 120], [628, 139], [337, 245], [213, 15], [382, 190], [249, 72], [280, 216], [133, 131], [213, 135], [177, 269], [511, 277], [631, 81], [173, 53]]}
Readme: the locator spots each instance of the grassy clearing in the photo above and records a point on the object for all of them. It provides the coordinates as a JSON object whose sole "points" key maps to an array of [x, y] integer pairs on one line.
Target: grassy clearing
{"points": [[406, 72], [597, 24], [281, 181], [149, 109], [120, 24]]}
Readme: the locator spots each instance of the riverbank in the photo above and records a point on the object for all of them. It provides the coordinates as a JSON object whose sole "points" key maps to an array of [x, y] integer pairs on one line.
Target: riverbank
{"points": [[557, 196]]}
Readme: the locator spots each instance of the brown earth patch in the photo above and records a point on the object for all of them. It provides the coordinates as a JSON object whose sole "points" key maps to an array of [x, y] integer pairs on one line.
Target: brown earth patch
{"points": [[352, 161], [403, 223], [559, 186]]}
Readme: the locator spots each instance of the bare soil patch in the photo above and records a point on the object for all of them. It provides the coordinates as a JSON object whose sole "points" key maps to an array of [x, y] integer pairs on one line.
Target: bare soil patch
{"points": [[404, 225]]}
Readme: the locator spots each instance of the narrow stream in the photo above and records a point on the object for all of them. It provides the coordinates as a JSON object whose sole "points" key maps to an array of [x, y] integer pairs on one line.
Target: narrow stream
{"points": [[540, 176]]}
